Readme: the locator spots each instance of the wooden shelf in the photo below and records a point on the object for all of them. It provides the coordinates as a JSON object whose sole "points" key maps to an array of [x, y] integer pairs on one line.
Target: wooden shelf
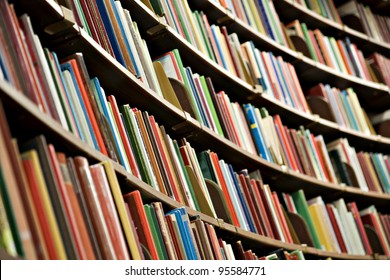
{"points": [[289, 10], [117, 80], [376, 97], [127, 89], [22, 112], [167, 39]]}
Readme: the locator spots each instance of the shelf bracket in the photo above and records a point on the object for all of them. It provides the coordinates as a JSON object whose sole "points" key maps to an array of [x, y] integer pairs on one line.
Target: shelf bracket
{"points": [[66, 22], [156, 30]]}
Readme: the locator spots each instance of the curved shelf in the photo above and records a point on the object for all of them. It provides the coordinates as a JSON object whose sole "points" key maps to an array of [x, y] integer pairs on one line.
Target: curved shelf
{"points": [[242, 91], [118, 80], [238, 89], [291, 10], [23, 111], [376, 97]]}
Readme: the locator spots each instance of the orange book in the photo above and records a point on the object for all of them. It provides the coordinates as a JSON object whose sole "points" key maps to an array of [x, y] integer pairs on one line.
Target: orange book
{"points": [[316, 47], [166, 161], [298, 88], [321, 43], [279, 212], [70, 216], [88, 106], [124, 137], [71, 194], [134, 201], [39, 208], [286, 143], [344, 56], [218, 173], [149, 150], [94, 208], [214, 242]]}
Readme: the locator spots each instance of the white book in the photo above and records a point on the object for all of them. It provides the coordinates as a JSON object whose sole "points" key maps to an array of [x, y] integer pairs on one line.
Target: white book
{"points": [[78, 113], [234, 196], [350, 228]]}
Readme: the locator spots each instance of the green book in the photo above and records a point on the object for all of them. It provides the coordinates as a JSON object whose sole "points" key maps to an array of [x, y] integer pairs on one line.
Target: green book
{"points": [[211, 105], [138, 146], [157, 7], [156, 232], [303, 210], [199, 20], [188, 180], [309, 42], [6, 238], [206, 166]]}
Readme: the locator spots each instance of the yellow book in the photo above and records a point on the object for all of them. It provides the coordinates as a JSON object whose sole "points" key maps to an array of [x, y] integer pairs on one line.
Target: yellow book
{"points": [[358, 111], [121, 208], [166, 87], [256, 16], [47, 205]]}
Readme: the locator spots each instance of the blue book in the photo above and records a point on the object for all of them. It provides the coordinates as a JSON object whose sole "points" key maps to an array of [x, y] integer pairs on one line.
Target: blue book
{"points": [[219, 47], [234, 196], [243, 200], [196, 96], [3, 70], [256, 132], [68, 67], [120, 23], [264, 75], [185, 234], [376, 159], [280, 78], [349, 110], [266, 19], [105, 110], [110, 31]]}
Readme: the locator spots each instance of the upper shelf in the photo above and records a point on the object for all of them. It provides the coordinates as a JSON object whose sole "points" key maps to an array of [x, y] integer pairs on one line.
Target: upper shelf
{"points": [[376, 97], [117, 80], [290, 10]]}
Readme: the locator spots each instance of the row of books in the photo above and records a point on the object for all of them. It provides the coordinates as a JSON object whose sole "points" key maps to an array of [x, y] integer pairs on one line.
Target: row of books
{"points": [[261, 15], [339, 106], [341, 55], [58, 207], [325, 8], [241, 59], [80, 105], [339, 226], [360, 17], [368, 171]]}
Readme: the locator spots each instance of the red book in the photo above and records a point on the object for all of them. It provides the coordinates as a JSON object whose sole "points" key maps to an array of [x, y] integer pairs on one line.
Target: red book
{"points": [[336, 228], [269, 221], [134, 201], [39, 208], [282, 219], [355, 212], [165, 158], [285, 143], [71, 194], [124, 137], [109, 211], [321, 160], [88, 106], [214, 242], [218, 173], [370, 219], [94, 208], [70, 215], [251, 203]]}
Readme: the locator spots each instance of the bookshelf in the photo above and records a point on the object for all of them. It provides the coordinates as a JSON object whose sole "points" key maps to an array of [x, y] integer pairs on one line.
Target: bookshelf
{"points": [[66, 39]]}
